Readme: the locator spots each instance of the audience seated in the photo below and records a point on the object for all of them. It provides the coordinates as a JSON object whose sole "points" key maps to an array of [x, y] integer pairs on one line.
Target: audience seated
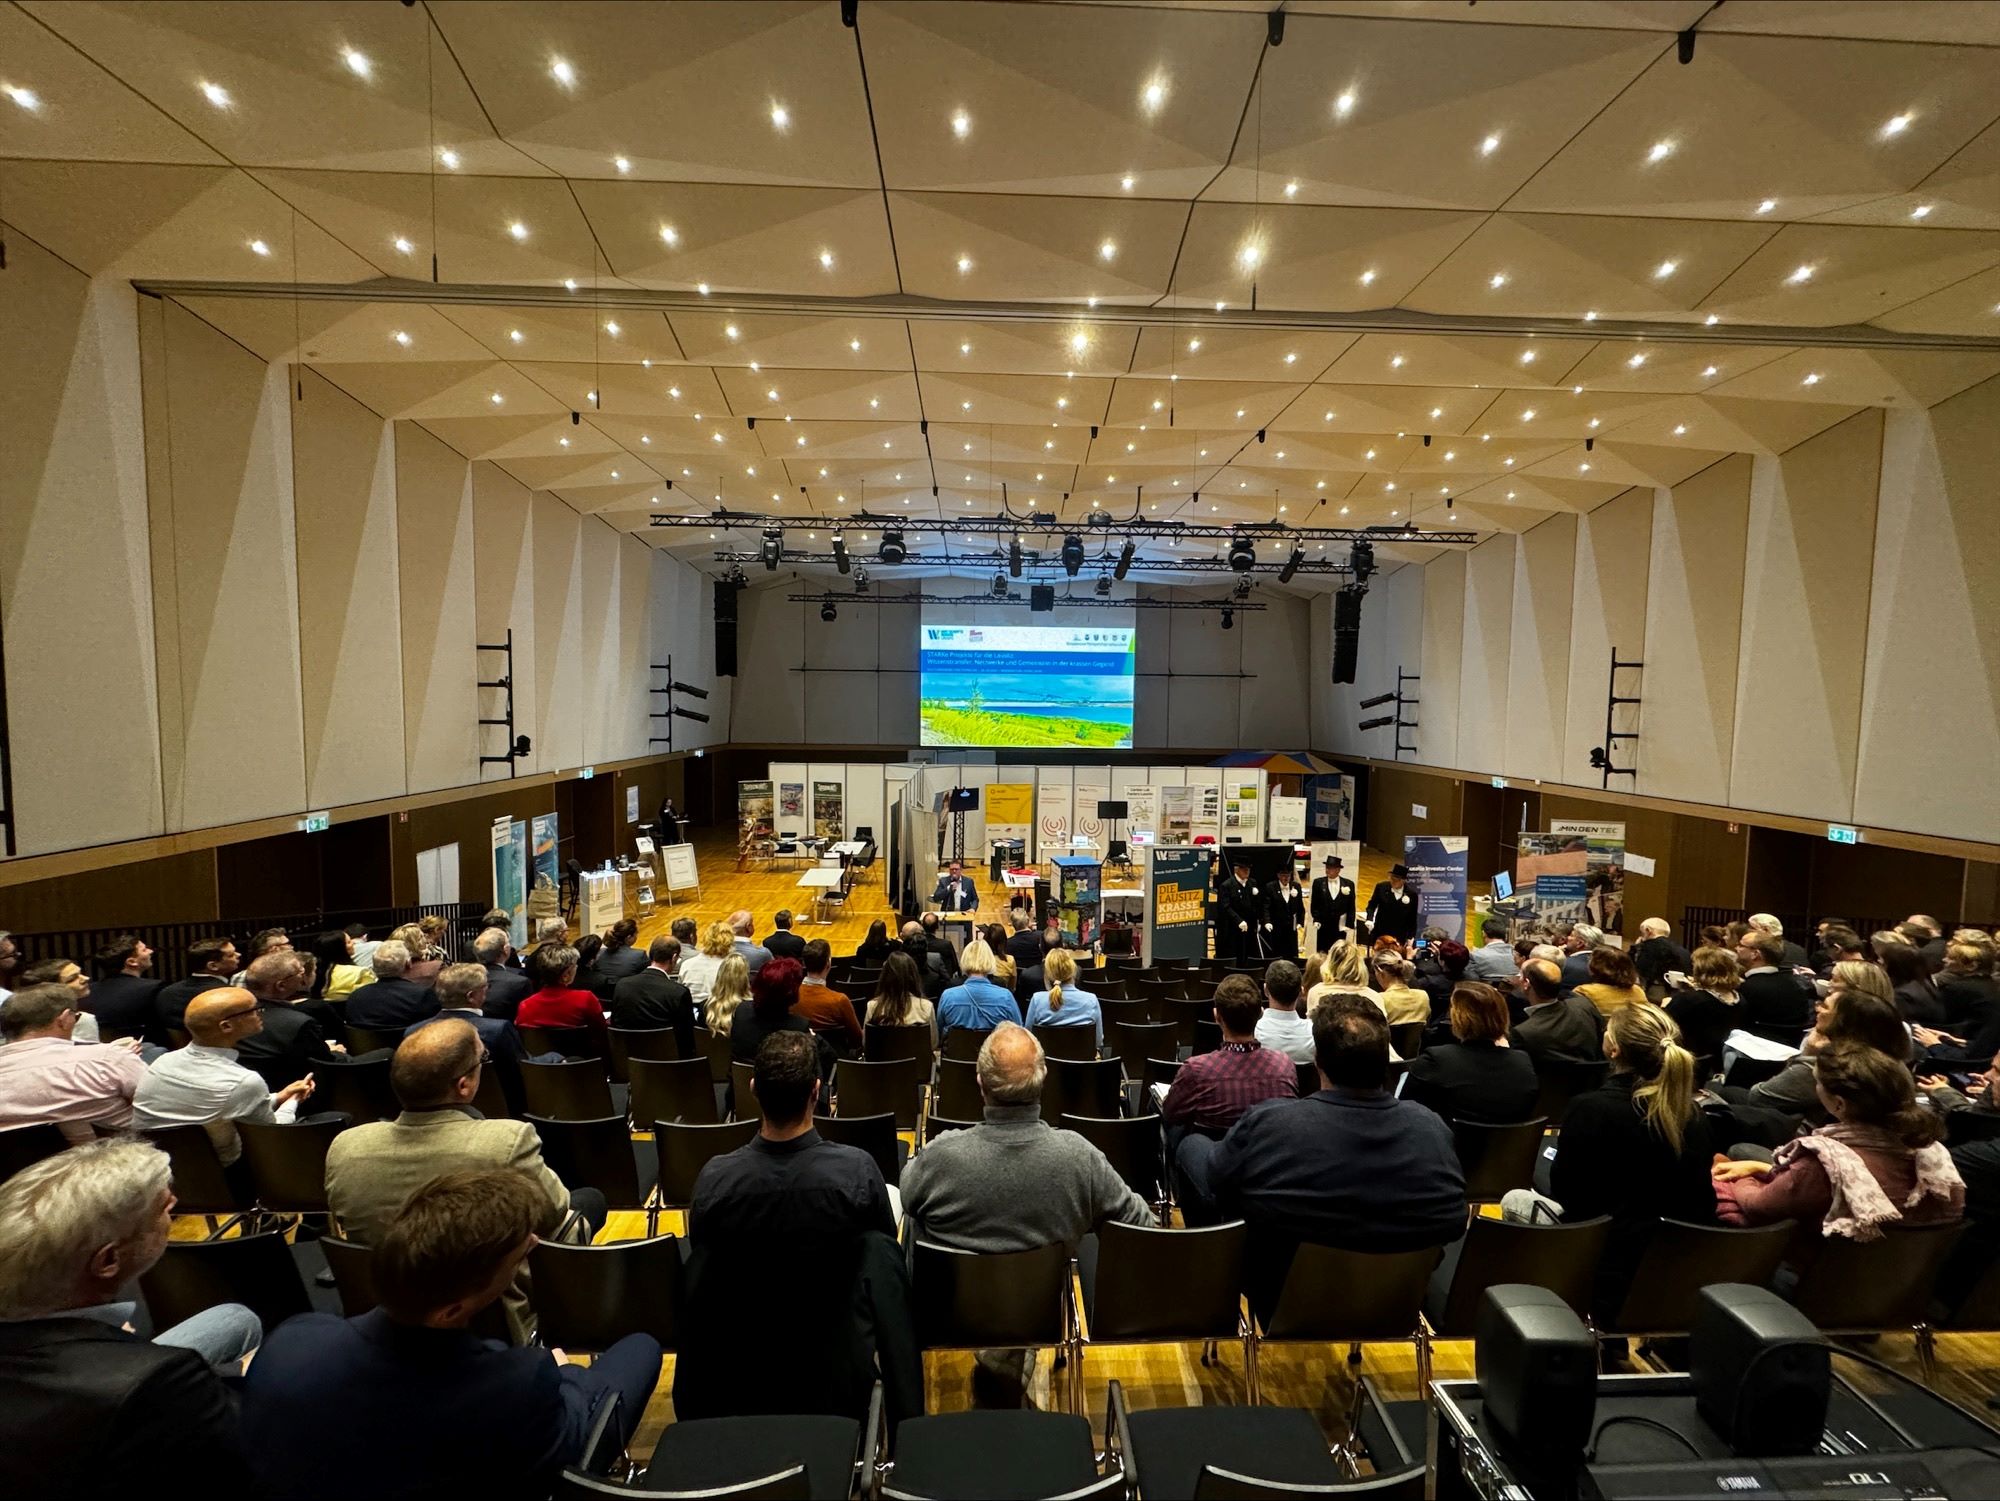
{"points": [[1858, 1007], [620, 956], [1282, 1026], [1061, 1003], [874, 950], [1400, 1001], [46, 1076], [1656, 955], [1613, 982], [1213, 1090], [787, 1202], [774, 995], [899, 999], [827, 1011], [10, 965], [936, 969], [718, 942], [1877, 1162], [1774, 1002], [203, 1085], [461, 991], [507, 984], [372, 1169], [1635, 1148], [1344, 971], [394, 1000], [1703, 1004], [211, 961], [92, 1410], [741, 926], [1006, 972], [937, 943], [655, 996], [726, 996], [556, 1002], [1024, 943], [122, 997], [1578, 944], [1477, 1076], [292, 1038], [1927, 935], [1966, 987], [1493, 961], [1437, 979], [1351, 1166], [783, 942], [1790, 955], [68, 974], [1557, 1028], [424, 1407], [1916, 990], [980, 1004], [337, 974], [1012, 1183]]}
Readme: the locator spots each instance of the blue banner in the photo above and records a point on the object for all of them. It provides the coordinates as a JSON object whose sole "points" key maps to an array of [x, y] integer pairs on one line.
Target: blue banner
{"points": [[1560, 898], [991, 662], [1437, 875]]}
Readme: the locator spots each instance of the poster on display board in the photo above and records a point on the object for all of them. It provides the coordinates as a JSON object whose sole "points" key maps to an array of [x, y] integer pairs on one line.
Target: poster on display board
{"points": [[1288, 818], [1177, 916], [631, 805], [827, 815], [1051, 819], [1604, 869], [792, 801], [544, 868], [681, 871], [1348, 852], [1207, 811], [1240, 812], [1010, 813], [1331, 815], [1176, 815], [510, 876], [1088, 824], [1142, 805], [753, 820], [1437, 874]]}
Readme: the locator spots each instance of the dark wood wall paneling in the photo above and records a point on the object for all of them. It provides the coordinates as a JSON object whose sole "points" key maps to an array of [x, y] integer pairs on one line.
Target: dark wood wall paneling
{"points": [[172, 888], [468, 824], [1872, 880]]}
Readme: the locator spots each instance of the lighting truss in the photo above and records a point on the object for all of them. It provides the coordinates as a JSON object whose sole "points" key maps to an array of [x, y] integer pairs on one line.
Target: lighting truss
{"points": [[1004, 529], [1022, 602], [1050, 566]]}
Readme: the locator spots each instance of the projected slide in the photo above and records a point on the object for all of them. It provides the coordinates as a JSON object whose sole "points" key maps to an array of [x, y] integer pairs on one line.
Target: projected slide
{"points": [[1026, 685]]}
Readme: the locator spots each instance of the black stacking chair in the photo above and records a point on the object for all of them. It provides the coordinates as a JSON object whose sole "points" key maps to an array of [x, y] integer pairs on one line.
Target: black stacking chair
{"points": [[1308, 1080], [1879, 1286], [24, 1146], [369, 1039], [893, 1087], [685, 1148], [1563, 1082], [886, 1044], [962, 1044], [1132, 1145], [288, 1163], [589, 1297], [996, 1453], [1134, 1042], [1407, 1038], [672, 1089], [255, 1270], [359, 1090], [1680, 1260], [1145, 1286], [1332, 1296], [956, 1095], [1073, 1044], [576, 1091], [628, 1043], [1093, 1088], [1212, 1453], [572, 1042], [200, 1185], [1561, 1258], [794, 1457], [601, 1154], [1014, 1300], [936, 1125], [1496, 1157], [742, 1091], [874, 1134]]}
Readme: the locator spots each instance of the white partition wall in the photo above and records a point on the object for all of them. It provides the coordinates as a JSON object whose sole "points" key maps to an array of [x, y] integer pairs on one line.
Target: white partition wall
{"points": [[866, 808], [1054, 807]]}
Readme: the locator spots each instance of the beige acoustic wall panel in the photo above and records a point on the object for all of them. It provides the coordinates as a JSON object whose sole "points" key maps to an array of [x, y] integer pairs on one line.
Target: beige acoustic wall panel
{"points": [[439, 611], [560, 688], [600, 615], [1203, 713], [75, 570], [503, 551], [630, 726], [1484, 657], [1694, 606], [1326, 732], [1436, 734], [1805, 623], [231, 727], [1607, 609], [344, 478], [1277, 649], [683, 630], [768, 642], [1931, 700], [1537, 682]]}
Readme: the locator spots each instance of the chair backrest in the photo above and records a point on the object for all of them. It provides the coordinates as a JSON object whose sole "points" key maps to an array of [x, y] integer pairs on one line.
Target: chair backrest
{"points": [[892, 1087], [1160, 1071], [571, 1042], [1337, 1296], [254, 1270], [1561, 1258], [1559, 1083], [874, 1134], [1207, 1035], [594, 1154], [963, 1299], [288, 1163], [1114, 1011], [685, 1148], [1168, 1284], [1497, 1157], [957, 1092], [913, 1040], [360, 1089], [589, 1297], [1184, 1014], [742, 1091], [791, 1484], [865, 975], [1135, 1042], [1157, 992], [369, 1039], [1131, 1146], [936, 1125], [491, 1099], [1308, 1078], [1407, 1038], [1093, 1088], [566, 1091], [672, 1089], [352, 1275], [1875, 1285], [962, 1044], [1215, 1483], [1681, 1259], [714, 1046], [1073, 1044], [199, 1183], [628, 1043], [24, 1146]]}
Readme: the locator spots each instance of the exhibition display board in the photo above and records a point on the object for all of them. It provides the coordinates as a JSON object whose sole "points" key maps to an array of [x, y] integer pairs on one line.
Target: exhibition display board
{"points": [[1177, 879], [1437, 874]]}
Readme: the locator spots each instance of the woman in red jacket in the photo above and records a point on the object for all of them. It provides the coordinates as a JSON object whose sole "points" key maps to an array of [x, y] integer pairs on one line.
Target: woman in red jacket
{"points": [[557, 1003]]}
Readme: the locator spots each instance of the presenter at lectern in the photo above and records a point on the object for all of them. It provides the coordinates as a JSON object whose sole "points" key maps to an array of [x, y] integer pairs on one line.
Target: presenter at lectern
{"points": [[955, 892]]}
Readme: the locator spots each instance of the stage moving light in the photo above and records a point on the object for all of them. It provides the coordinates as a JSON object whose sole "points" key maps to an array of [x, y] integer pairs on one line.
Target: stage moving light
{"points": [[1103, 584], [1361, 561], [828, 612], [999, 586], [1125, 555], [1242, 555], [1229, 620], [1377, 701], [840, 552], [1291, 568], [1014, 558], [892, 549], [1376, 724], [774, 549], [1072, 554]]}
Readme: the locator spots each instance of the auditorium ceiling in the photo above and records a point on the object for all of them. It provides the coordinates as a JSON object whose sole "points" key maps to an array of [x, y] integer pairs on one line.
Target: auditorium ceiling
{"points": [[1418, 263]]}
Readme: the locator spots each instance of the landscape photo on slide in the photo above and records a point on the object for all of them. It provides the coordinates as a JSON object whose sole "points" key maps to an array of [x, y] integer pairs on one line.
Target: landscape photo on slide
{"points": [[1041, 685]]}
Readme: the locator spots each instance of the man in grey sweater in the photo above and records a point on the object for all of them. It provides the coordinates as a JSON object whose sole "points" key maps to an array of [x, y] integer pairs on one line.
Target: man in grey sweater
{"points": [[1013, 1182]]}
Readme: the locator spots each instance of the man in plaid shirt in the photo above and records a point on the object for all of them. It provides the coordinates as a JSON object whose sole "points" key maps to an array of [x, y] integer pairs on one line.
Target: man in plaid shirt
{"points": [[1213, 1089]]}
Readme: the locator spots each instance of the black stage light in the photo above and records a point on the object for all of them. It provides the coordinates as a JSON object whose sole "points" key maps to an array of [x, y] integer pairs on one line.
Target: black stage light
{"points": [[1361, 561], [1125, 556], [861, 581], [1377, 701], [827, 612], [1228, 619], [1598, 760], [1072, 554], [1014, 558], [774, 549], [1242, 554], [1376, 724], [1041, 599], [1291, 568], [840, 552], [1103, 584], [522, 745], [892, 549], [999, 586]]}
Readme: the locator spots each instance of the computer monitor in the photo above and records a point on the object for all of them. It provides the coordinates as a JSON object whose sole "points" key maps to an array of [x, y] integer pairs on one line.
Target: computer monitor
{"points": [[1503, 887]]}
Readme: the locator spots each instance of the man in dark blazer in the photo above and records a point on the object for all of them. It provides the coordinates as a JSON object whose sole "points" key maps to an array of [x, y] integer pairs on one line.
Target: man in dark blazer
{"points": [[1558, 1028], [1773, 1002], [1284, 915], [1656, 954], [1577, 945], [783, 942], [1239, 913], [93, 1410], [507, 985], [1024, 943], [461, 992], [655, 997], [211, 961], [434, 1409], [392, 1003], [955, 891], [122, 996], [292, 1041], [1332, 905], [1392, 907], [1791, 955]]}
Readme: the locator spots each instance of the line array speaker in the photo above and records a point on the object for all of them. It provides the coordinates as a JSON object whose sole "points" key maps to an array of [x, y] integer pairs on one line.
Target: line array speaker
{"points": [[725, 629]]}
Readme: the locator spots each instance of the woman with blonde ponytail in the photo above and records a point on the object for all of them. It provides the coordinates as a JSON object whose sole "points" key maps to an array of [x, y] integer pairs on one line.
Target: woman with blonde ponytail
{"points": [[1064, 1004], [1636, 1148]]}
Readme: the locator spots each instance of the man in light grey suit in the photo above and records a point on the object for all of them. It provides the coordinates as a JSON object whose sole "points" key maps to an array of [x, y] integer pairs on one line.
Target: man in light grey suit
{"points": [[754, 953], [372, 1170]]}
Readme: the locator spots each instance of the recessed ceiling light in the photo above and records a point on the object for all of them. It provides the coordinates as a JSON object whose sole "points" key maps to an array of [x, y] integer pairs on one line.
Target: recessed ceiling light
{"points": [[1292, 189], [1800, 276], [1281, 452], [1921, 211], [518, 230], [1529, 415], [1344, 105], [1527, 356], [562, 442], [497, 398], [1711, 320], [1812, 378], [1497, 280], [675, 392], [1665, 269], [357, 64], [1154, 94], [965, 349], [1449, 455], [1590, 316], [216, 94], [1108, 251], [1437, 412], [569, 283], [1636, 361], [1895, 125], [964, 264], [1490, 145], [614, 474], [1219, 306], [701, 287], [611, 327], [1062, 401], [648, 438], [855, 345], [874, 401], [1680, 431], [401, 337], [1660, 151], [1291, 358], [1767, 205], [1343, 510], [1390, 487], [28, 99], [731, 331], [562, 72], [1583, 469], [771, 395], [1710, 372], [669, 235], [1367, 277], [260, 247], [716, 436], [449, 159], [623, 164], [1239, 414], [1594, 422], [780, 116], [1509, 462], [1128, 182], [961, 124], [1250, 255], [403, 245], [826, 259], [1193, 345], [1395, 362]]}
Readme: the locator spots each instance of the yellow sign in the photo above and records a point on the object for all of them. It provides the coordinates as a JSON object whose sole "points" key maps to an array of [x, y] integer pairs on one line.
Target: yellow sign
{"points": [[1010, 802]]}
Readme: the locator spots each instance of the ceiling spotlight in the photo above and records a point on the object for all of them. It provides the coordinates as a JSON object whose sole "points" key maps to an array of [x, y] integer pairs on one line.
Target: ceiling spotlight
{"points": [[780, 116], [1242, 554], [1228, 618], [1665, 269], [1800, 276], [773, 549], [828, 613], [1103, 584], [1490, 145], [1895, 125], [1072, 554], [961, 124], [258, 247], [1921, 211], [1291, 568], [1125, 556], [1014, 558], [1767, 205], [562, 72], [1344, 105], [1128, 182], [403, 246], [623, 164], [402, 337], [840, 558], [216, 94], [449, 159], [518, 230], [964, 264], [892, 549], [1661, 151], [1361, 561], [1154, 95]]}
